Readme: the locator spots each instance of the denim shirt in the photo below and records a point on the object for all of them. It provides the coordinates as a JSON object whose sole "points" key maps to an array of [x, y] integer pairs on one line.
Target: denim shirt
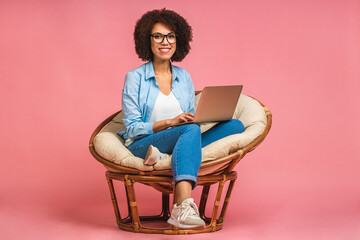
{"points": [[140, 93]]}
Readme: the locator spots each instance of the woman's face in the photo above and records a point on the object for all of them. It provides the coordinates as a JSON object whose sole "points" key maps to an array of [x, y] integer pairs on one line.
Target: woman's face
{"points": [[164, 50]]}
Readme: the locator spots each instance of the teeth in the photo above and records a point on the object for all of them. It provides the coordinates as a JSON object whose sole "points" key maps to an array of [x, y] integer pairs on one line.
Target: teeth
{"points": [[164, 49]]}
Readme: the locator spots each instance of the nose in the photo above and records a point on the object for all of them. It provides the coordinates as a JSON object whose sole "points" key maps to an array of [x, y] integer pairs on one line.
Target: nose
{"points": [[165, 41]]}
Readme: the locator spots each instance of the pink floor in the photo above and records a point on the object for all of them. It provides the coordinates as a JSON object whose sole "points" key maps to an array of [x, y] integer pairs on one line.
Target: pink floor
{"points": [[266, 213], [98, 222]]}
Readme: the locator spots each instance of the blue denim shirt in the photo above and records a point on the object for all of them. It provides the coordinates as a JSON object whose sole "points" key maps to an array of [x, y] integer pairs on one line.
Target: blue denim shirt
{"points": [[140, 93]]}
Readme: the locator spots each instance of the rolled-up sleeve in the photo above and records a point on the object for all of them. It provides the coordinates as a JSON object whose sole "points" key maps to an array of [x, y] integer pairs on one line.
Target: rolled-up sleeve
{"points": [[135, 127]]}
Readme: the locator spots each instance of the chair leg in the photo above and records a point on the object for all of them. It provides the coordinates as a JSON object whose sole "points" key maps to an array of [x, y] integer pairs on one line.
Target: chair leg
{"points": [[165, 213], [217, 204], [114, 200], [226, 201], [132, 202], [203, 201], [128, 202]]}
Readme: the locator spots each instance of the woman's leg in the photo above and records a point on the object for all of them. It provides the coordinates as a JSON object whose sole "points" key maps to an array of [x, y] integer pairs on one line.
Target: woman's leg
{"points": [[221, 130], [184, 142], [164, 140], [186, 160]]}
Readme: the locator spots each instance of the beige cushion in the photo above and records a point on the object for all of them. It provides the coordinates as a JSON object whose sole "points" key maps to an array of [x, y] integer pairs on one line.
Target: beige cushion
{"points": [[249, 111]]}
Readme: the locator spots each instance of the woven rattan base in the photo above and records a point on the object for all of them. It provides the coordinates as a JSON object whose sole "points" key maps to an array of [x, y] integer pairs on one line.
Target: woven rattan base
{"points": [[135, 223]]}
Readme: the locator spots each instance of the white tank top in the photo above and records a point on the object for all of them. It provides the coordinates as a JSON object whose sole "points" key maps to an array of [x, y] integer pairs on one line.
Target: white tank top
{"points": [[166, 107]]}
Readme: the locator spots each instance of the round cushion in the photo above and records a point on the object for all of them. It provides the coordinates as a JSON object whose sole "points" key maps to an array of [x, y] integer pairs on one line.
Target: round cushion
{"points": [[248, 110]]}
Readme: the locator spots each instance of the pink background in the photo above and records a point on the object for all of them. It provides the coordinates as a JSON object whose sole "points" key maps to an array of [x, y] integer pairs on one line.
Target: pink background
{"points": [[62, 67]]}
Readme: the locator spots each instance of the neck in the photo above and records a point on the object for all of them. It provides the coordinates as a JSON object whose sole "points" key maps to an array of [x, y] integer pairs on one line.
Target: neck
{"points": [[161, 66]]}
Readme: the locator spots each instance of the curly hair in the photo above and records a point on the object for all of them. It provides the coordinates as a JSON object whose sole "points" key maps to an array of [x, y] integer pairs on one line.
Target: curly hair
{"points": [[172, 20]]}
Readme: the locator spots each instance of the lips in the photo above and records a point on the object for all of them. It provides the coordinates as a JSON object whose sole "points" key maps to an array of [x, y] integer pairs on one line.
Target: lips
{"points": [[164, 50]]}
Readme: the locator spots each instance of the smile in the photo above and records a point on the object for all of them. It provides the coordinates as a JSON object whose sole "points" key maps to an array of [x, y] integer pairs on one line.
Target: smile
{"points": [[164, 50]]}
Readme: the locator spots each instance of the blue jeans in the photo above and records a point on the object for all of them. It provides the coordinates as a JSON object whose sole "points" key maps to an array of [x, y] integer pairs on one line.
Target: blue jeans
{"points": [[184, 142]]}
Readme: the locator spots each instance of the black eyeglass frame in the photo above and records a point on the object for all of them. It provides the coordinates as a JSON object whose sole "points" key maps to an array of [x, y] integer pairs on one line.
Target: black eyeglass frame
{"points": [[152, 35]]}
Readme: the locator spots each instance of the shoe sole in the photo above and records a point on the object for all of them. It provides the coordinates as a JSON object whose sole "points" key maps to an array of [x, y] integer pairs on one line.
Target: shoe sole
{"points": [[148, 160], [179, 225]]}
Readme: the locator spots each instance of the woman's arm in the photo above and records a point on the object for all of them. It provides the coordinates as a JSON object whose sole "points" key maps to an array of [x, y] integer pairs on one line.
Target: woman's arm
{"points": [[132, 117]]}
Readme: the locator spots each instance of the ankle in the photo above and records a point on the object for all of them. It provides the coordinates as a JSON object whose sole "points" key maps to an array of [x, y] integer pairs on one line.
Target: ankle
{"points": [[180, 201], [183, 191]]}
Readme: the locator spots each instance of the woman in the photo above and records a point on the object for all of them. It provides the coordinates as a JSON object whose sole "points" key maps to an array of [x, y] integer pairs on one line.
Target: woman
{"points": [[156, 97]]}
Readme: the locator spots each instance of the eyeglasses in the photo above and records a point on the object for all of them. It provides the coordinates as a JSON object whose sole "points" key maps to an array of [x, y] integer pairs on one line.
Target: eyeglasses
{"points": [[159, 38]]}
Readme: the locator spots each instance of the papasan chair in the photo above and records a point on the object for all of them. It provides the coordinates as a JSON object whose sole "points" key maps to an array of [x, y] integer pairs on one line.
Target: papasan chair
{"points": [[218, 162]]}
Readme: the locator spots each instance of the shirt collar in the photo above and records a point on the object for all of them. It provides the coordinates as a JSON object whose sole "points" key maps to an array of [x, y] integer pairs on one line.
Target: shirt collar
{"points": [[150, 74]]}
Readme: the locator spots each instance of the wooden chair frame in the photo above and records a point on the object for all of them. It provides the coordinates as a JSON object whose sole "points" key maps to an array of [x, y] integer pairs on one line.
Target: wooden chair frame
{"points": [[162, 181]]}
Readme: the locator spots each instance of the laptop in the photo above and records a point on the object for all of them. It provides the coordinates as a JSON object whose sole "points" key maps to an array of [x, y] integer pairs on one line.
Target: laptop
{"points": [[217, 103]]}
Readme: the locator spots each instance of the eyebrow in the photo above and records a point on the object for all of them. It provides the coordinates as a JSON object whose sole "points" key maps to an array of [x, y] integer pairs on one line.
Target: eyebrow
{"points": [[162, 33]]}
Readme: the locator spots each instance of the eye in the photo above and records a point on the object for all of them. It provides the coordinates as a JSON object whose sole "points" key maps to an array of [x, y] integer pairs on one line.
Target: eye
{"points": [[171, 36], [157, 36]]}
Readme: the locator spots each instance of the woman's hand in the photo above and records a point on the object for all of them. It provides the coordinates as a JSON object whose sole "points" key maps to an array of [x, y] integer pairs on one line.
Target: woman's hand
{"points": [[163, 124], [182, 118]]}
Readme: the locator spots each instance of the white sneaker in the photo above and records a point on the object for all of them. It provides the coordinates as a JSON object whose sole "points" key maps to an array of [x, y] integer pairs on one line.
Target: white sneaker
{"points": [[186, 215], [153, 155]]}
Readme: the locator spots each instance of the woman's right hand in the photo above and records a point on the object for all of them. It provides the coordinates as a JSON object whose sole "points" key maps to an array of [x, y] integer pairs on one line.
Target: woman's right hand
{"points": [[182, 118], [164, 124]]}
